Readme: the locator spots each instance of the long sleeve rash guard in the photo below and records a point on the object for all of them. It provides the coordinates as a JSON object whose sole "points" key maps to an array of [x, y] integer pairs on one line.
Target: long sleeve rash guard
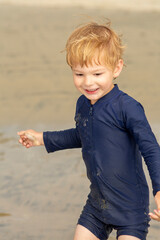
{"points": [[114, 134]]}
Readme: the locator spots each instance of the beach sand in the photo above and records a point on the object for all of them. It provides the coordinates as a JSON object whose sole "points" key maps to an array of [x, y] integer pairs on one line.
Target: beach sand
{"points": [[44, 194], [143, 5]]}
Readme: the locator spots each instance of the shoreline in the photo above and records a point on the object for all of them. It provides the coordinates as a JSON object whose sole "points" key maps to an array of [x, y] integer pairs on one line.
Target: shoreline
{"points": [[35, 80], [135, 5]]}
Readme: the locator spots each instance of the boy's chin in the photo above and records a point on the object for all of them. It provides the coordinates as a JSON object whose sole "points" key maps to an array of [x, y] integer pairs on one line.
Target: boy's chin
{"points": [[93, 101]]}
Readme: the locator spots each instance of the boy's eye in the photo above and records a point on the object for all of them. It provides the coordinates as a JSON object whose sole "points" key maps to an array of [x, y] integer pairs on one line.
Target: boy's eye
{"points": [[79, 74], [98, 74]]}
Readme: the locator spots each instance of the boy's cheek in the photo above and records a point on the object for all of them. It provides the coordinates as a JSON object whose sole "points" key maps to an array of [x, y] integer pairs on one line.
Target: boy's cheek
{"points": [[77, 83]]}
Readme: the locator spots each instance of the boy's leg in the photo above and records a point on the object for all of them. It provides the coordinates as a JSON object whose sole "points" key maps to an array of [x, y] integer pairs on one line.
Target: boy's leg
{"points": [[127, 237], [83, 233], [132, 232]]}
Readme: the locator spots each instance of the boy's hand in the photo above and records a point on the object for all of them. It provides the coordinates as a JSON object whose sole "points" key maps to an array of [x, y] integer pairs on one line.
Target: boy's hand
{"points": [[156, 215], [30, 138]]}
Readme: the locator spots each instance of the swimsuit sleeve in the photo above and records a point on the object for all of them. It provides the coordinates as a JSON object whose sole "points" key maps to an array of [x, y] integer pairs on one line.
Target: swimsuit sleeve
{"points": [[138, 126], [59, 140]]}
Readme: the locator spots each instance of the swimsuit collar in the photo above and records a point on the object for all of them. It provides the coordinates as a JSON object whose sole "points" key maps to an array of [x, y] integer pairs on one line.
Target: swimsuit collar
{"points": [[114, 92]]}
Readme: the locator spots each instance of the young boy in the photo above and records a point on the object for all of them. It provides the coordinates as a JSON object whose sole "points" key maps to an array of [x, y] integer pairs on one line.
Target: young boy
{"points": [[113, 132]]}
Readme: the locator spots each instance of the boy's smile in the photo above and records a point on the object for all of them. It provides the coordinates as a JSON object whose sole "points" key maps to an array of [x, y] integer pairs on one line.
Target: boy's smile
{"points": [[95, 81]]}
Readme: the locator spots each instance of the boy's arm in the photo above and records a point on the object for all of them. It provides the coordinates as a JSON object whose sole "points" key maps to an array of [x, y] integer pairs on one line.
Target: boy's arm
{"points": [[138, 126], [53, 141], [59, 140]]}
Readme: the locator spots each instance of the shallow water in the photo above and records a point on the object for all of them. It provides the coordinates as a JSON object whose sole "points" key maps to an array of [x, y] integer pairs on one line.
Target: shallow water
{"points": [[42, 194]]}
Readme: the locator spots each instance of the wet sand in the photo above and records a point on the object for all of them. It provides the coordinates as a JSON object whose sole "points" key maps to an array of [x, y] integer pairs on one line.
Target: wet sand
{"points": [[43, 194]]}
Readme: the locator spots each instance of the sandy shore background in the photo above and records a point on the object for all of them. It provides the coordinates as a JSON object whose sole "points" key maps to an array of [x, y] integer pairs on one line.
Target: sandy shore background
{"points": [[41, 195], [144, 5]]}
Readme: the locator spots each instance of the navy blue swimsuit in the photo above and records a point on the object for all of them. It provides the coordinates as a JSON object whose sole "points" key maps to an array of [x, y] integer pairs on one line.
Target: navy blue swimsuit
{"points": [[113, 134]]}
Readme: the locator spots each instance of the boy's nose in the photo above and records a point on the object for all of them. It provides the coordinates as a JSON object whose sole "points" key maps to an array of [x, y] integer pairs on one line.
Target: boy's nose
{"points": [[88, 81]]}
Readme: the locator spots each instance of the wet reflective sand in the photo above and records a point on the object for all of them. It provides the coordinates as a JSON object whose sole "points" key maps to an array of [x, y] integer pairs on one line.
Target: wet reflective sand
{"points": [[42, 194]]}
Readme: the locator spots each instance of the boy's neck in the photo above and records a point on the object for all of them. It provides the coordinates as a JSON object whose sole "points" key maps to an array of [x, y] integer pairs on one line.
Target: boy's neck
{"points": [[94, 101]]}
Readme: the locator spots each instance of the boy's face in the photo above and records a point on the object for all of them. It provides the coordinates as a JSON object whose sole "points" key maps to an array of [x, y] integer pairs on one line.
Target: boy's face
{"points": [[95, 81]]}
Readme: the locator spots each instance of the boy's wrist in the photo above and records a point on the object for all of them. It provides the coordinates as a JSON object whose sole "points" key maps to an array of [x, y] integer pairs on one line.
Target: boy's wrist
{"points": [[41, 139]]}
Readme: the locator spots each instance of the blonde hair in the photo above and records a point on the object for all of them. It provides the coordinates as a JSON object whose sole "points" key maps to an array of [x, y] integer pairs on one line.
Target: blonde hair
{"points": [[96, 43]]}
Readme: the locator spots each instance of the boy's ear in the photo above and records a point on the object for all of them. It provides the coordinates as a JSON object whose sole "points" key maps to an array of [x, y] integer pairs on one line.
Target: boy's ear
{"points": [[118, 69]]}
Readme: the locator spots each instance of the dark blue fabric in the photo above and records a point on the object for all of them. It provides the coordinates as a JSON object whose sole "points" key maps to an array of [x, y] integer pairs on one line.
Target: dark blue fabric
{"points": [[102, 230], [59, 140], [113, 134]]}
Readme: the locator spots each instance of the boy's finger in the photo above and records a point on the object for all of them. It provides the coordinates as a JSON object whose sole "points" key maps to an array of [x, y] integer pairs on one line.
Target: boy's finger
{"points": [[157, 213], [21, 133], [154, 217], [20, 141], [28, 145]]}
